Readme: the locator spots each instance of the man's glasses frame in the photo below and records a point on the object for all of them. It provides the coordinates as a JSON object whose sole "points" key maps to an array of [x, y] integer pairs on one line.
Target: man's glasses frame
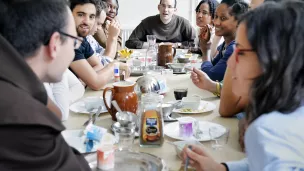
{"points": [[77, 40]]}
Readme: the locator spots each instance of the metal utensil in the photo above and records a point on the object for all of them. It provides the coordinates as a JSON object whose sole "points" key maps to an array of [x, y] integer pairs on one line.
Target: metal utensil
{"points": [[96, 114], [90, 118], [114, 103], [147, 84]]}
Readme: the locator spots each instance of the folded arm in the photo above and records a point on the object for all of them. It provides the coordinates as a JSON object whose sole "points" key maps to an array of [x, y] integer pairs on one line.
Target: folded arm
{"points": [[137, 38]]}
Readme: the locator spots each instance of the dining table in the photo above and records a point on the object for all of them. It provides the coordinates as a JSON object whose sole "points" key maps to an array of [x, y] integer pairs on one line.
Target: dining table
{"points": [[231, 151]]}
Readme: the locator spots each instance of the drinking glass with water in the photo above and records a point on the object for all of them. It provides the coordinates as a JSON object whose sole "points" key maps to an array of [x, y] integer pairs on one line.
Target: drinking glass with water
{"points": [[219, 137]]}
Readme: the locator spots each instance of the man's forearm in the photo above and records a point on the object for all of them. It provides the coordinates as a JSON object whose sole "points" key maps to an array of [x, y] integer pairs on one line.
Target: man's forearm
{"points": [[111, 47]]}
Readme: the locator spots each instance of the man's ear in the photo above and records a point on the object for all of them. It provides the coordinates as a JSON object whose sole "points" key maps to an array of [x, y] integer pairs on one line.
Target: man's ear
{"points": [[54, 45], [158, 7], [175, 9]]}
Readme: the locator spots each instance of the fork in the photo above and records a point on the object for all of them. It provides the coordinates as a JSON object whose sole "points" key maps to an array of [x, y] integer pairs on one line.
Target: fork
{"points": [[90, 119]]}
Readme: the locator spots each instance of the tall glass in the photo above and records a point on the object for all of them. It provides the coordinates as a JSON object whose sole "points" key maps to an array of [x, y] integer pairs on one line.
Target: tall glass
{"points": [[151, 54]]}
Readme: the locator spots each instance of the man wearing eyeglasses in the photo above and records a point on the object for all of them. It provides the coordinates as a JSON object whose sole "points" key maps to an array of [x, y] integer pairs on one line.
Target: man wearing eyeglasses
{"points": [[86, 65], [35, 45], [166, 26]]}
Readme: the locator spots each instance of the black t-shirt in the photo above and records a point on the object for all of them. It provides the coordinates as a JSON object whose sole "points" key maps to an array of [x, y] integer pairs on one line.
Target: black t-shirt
{"points": [[84, 51]]}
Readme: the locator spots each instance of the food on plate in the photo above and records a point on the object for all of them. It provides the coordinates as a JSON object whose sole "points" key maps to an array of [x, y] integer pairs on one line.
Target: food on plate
{"points": [[186, 110]]}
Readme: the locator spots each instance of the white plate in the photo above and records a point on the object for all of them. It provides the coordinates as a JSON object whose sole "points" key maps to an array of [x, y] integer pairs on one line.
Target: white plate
{"points": [[79, 106], [204, 107], [76, 139], [172, 130]]}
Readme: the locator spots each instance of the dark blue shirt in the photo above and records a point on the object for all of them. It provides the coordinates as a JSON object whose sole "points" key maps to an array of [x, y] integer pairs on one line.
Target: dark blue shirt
{"points": [[217, 68], [85, 51]]}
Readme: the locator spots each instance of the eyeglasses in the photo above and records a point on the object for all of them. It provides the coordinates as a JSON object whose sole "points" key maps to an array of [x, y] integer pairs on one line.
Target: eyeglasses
{"points": [[237, 51], [77, 40], [205, 13], [167, 6]]}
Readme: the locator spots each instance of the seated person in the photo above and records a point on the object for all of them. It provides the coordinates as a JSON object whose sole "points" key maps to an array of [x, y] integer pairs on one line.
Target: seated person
{"points": [[86, 65], [205, 12], [166, 26], [258, 71], [64, 93], [225, 23], [31, 133], [106, 55], [102, 35]]}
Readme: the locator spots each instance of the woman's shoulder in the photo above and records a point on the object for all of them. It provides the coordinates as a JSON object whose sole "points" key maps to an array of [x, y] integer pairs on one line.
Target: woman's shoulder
{"points": [[279, 124]]}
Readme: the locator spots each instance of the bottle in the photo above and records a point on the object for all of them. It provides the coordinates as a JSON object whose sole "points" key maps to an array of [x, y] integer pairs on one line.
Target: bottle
{"points": [[116, 72], [151, 121]]}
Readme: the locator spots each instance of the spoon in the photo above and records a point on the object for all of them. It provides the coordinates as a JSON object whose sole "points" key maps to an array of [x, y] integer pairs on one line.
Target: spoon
{"points": [[123, 118], [114, 103]]}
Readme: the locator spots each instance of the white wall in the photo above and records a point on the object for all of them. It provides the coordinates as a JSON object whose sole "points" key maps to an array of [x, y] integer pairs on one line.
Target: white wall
{"points": [[131, 12]]}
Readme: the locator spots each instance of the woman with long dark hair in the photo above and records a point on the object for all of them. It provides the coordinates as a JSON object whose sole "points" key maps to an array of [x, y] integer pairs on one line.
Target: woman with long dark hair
{"points": [[268, 69]]}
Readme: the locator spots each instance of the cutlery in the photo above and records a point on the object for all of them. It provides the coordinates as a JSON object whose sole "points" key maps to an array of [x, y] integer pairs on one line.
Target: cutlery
{"points": [[90, 118], [96, 114]]}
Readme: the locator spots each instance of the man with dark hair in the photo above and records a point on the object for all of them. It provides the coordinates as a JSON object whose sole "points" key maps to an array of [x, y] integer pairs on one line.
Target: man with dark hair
{"points": [[166, 26], [86, 64], [102, 35], [35, 45], [175, 3]]}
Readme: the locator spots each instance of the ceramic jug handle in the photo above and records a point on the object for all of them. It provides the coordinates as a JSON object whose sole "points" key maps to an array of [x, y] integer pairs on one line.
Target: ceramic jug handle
{"points": [[174, 53], [104, 98]]}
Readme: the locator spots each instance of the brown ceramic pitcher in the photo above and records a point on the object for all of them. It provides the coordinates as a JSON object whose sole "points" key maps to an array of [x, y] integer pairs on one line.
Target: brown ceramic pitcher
{"points": [[123, 93], [166, 53]]}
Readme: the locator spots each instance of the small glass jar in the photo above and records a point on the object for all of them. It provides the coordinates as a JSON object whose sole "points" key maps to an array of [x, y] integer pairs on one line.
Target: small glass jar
{"points": [[151, 121]]}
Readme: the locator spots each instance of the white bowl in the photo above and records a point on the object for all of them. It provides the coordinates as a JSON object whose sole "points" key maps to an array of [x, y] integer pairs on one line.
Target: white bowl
{"points": [[91, 103], [191, 102]]}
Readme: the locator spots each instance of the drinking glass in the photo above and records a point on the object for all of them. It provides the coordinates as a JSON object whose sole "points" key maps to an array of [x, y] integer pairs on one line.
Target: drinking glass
{"points": [[124, 138], [219, 137], [179, 93]]}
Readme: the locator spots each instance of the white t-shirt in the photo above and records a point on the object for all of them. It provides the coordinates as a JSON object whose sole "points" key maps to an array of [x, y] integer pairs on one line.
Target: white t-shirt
{"points": [[65, 92]]}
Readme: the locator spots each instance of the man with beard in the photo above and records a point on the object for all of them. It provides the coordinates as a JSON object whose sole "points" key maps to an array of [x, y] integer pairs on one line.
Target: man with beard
{"points": [[35, 45], [86, 65], [166, 26], [102, 35]]}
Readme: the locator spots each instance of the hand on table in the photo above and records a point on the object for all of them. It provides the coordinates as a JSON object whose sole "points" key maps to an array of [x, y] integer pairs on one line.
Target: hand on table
{"points": [[202, 80], [200, 160]]}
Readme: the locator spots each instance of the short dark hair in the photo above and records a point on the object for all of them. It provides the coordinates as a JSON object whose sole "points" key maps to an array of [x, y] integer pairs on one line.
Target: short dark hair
{"points": [[212, 6], [238, 9], [175, 3], [100, 6], [29, 24], [275, 32], [117, 6], [231, 2], [74, 3]]}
